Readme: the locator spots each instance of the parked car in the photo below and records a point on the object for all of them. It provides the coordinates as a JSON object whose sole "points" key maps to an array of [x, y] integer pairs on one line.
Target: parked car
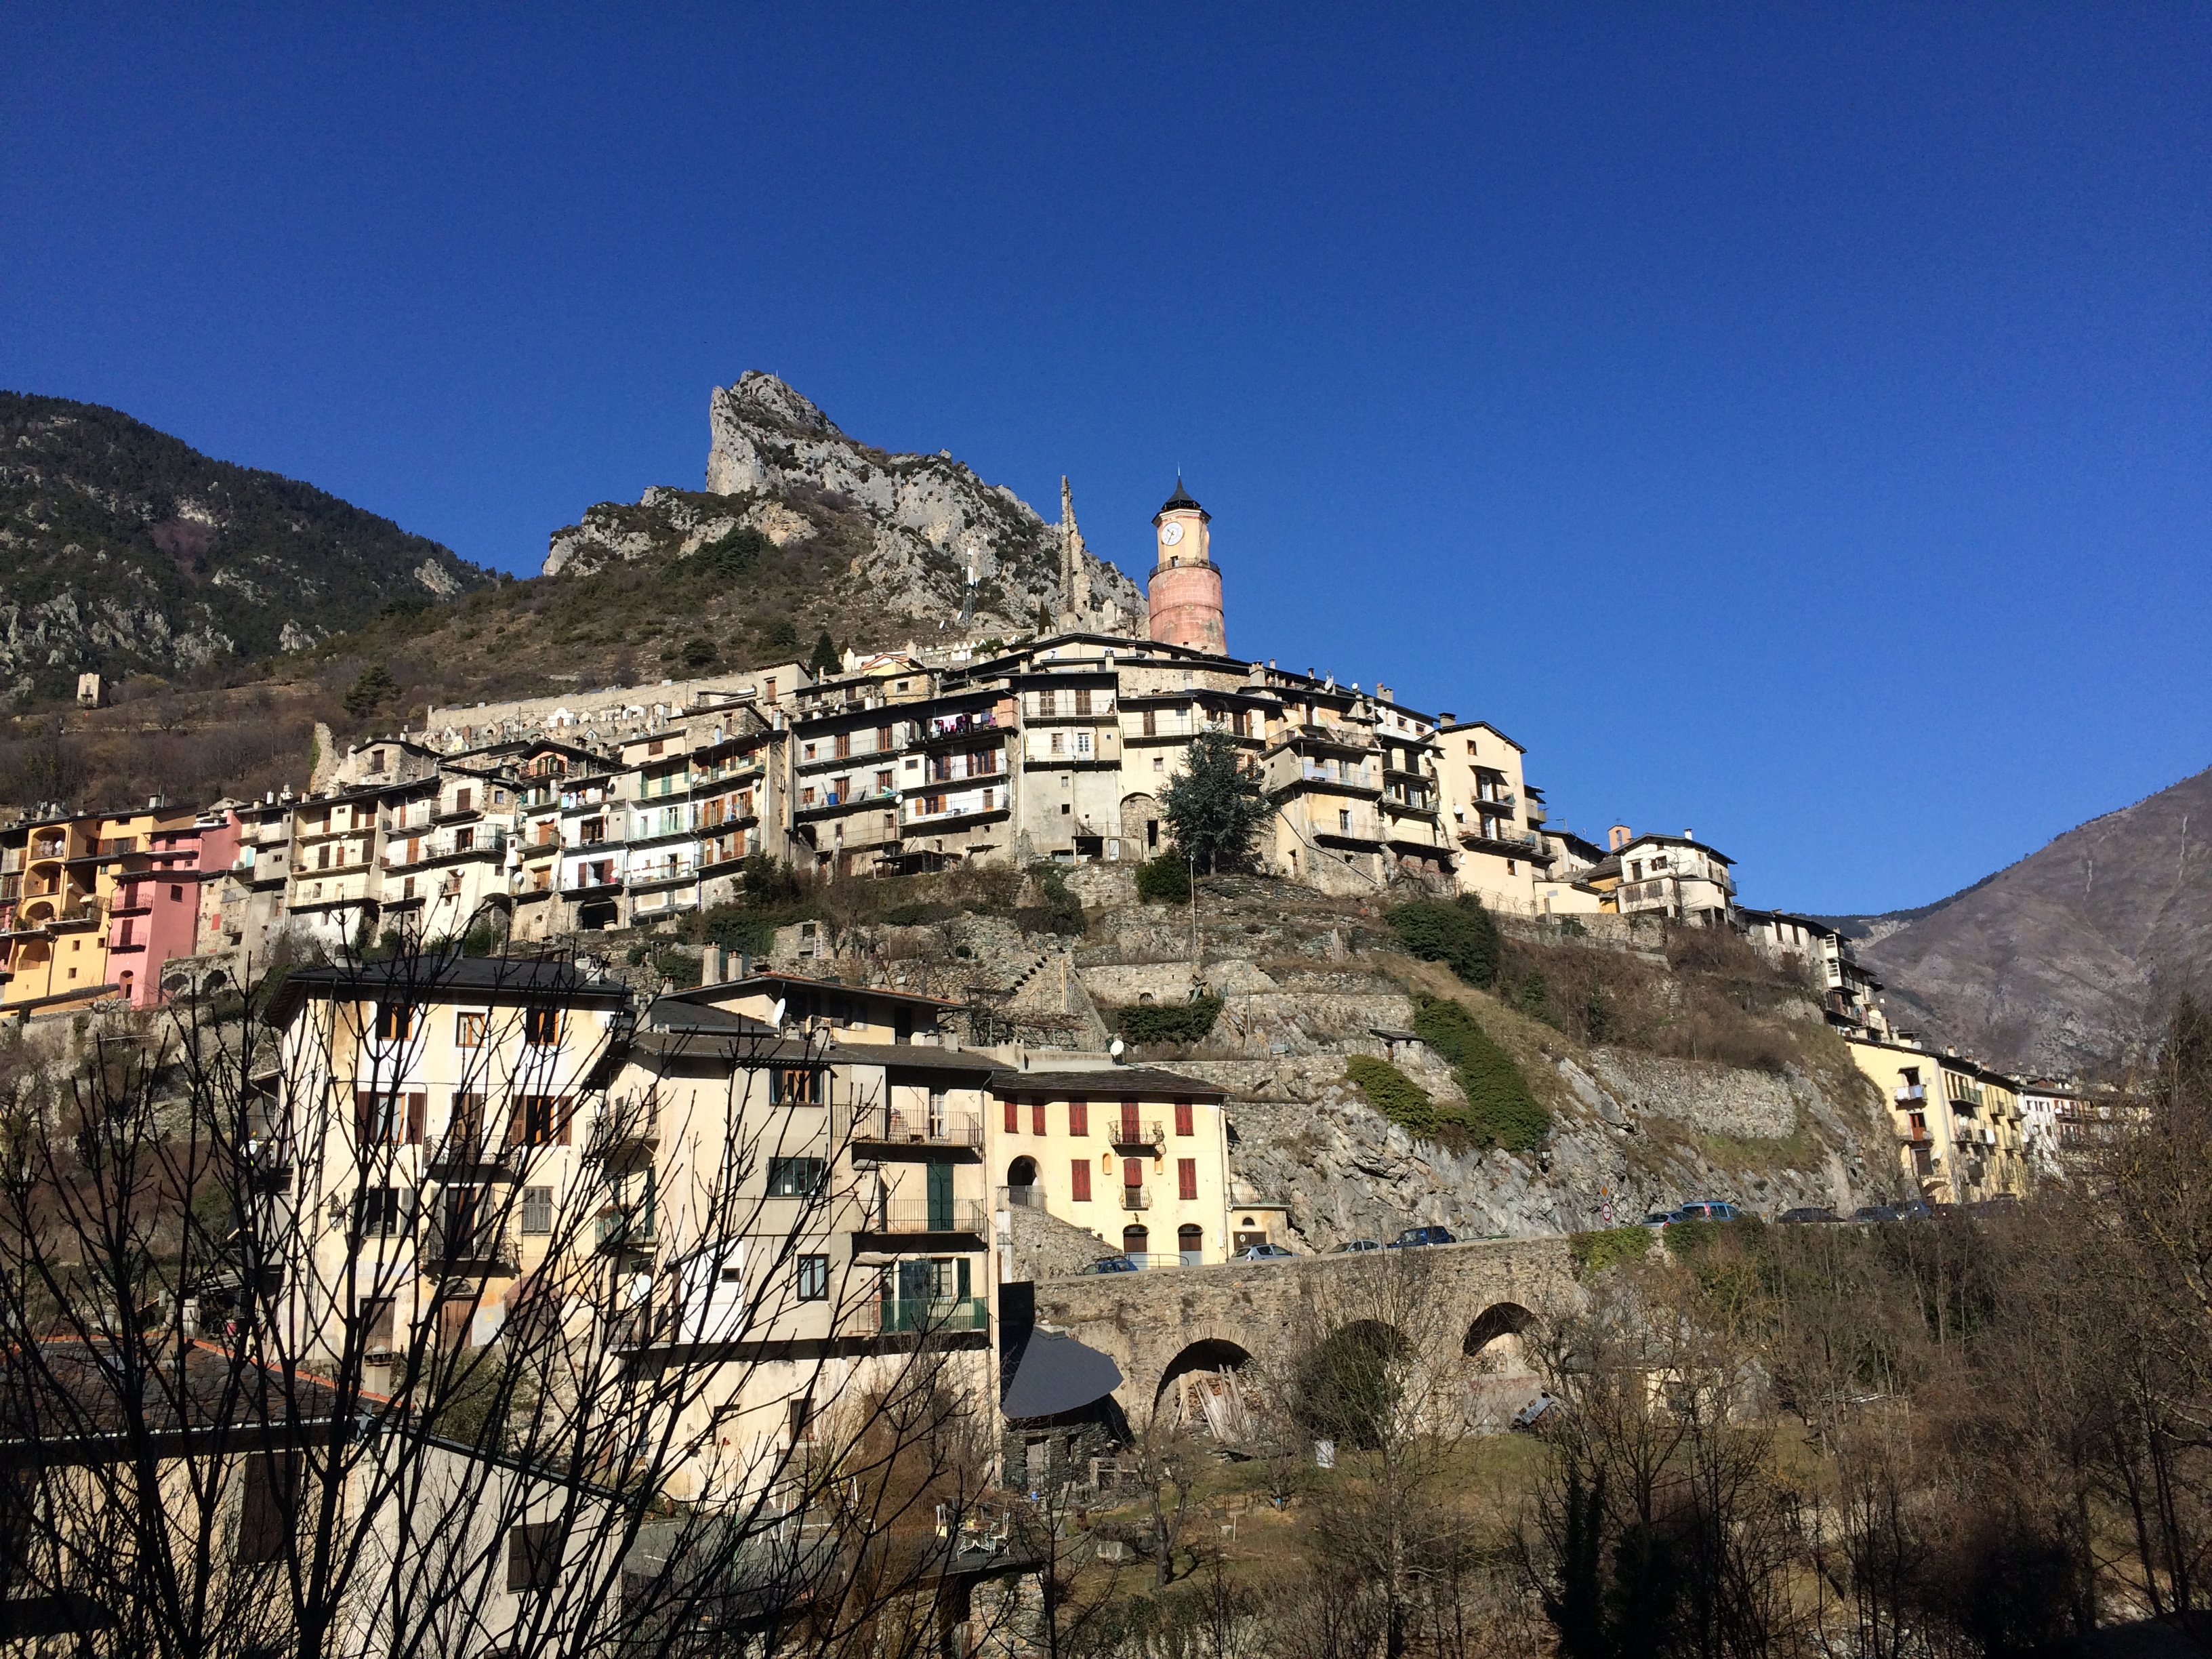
{"points": [[1530, 1416], [1914, 1209], [1874, 1213], [1355, 1245], [1808, 1213], [1112, 1264], [1658, 1219], [1414, 1237], [1707, 1209], [1265, 1253]]}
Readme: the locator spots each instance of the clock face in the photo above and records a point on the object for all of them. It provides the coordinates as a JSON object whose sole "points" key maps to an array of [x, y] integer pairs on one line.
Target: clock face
{"points": [[1170, 534]]}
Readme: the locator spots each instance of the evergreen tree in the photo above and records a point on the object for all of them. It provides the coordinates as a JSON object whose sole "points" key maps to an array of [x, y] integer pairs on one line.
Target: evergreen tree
{"points": [[1215, 809], [825, 659]]}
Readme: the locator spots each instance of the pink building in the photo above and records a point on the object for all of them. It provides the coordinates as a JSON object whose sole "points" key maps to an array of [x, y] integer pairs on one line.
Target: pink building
{"points": [[154, 914]]}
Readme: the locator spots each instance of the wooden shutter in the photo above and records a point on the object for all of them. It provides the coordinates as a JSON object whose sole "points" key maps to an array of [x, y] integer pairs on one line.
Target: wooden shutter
{"points": [[514, 1119], [1183, 1118], [1186, 1178], [417, 1109], [1079, 1179], [1013, 1117], [565, 1110], [364, 1107]]}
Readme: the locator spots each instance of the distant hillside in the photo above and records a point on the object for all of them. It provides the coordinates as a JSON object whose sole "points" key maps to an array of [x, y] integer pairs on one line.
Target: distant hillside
{"points": [[2062, 961], [124, 549]]}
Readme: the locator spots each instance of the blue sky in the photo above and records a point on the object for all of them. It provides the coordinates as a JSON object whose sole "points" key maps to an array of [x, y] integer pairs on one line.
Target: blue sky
{"points": [[1788, 423]]}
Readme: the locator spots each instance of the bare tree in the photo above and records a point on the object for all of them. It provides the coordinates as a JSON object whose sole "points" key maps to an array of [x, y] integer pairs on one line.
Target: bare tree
{"points": [[272, 1375]]}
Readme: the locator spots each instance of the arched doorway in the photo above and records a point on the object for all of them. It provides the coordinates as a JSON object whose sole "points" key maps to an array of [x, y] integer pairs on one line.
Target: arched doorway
{"points": [[1190, 1245], [1136, 1241], [1022, 1188], [1141, 827], [1202, 1388]]}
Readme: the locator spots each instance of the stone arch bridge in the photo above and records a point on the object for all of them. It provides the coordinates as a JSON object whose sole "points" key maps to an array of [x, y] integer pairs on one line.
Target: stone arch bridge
{"points": [[1158, 1326]]}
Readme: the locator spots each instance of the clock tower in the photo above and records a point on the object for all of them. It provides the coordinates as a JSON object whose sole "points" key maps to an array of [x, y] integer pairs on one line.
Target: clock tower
{"points": [[1185, 591]]}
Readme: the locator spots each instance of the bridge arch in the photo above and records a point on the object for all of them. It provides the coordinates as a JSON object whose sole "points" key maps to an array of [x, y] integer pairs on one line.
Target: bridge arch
{"points": [[1500, 1319]]}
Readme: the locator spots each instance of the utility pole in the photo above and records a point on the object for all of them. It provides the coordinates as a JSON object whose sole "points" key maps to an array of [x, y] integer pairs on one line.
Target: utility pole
{"points": [[1191, 860]]}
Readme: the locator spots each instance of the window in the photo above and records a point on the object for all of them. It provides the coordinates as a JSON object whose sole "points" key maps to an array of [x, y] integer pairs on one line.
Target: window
{"points": [[1059, 743], [1183, 1116], [1082, 743], [462, 798], [844, 745], [1078, 1117], [271, 1508], [1344, 823], [1082, 699], [538, 1210], [1079, 1177], [468, 1028], [176, 895], [802, 1420], [395, 1022], [797, 1086], [937, 1114], [1186, 1178], [795, 1177], [533, 1556], [1159, 764], [813, 1279], [378, 1210], [541, 1027], [380, 1117], [1152, 724], [376, 1323], [541, 1121], [1013, 1116], [1036, 1117]]}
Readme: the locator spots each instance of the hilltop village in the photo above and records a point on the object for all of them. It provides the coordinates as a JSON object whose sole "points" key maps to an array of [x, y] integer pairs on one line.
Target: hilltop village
{"points": [[556, 818]]}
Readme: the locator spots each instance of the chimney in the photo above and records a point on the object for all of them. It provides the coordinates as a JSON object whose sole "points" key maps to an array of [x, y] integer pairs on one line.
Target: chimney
{"points": [[1618, 837], [1446, 718], [1689, 835]]}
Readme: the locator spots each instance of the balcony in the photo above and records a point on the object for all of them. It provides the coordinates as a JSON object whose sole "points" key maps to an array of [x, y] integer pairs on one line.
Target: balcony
{"points": [[1128, 1131], [1021, 1198], [890, 1126], [955, 728], [937, 1313], [906, 1215], [1136, 1198], [1967, 1097], [1910, 1091], [630, 1125], [460, 1245], [625, 1228], [463, 1154]]}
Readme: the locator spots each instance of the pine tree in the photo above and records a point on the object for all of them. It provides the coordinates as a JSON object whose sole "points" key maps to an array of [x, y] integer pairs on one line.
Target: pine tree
{"points": [[1215, 808], [825, 659]]}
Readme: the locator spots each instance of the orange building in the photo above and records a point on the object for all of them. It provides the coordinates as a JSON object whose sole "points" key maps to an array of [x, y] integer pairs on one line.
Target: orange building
{"points": [[1185, 592]]}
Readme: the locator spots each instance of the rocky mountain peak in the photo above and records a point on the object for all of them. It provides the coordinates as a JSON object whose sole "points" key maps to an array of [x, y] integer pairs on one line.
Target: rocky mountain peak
{"points": [[909, 528]]}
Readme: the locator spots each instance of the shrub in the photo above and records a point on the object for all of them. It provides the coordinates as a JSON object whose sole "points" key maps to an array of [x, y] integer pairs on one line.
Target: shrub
{"points": [[1500, 1109], [1458, 933], [1593, 1252], [1394, 1094], [1169, 1022], [1164, 880], [1061, 911], [683, 971], [1688, 1238], [917, 914], [374, 685]]}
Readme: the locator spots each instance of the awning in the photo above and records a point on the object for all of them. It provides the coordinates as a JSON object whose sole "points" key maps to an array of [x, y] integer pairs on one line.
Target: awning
{"points": [[1058, 1374]]}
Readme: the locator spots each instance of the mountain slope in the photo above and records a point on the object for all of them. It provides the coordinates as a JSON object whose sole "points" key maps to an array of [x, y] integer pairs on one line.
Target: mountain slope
{"points": [[2062, 962], [125, 549]]}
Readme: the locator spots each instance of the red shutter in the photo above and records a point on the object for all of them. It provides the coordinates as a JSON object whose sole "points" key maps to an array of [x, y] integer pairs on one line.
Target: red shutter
{"points": [[1079, 1175], [1132, 1172], [1013, 1117], [364, 1113], [1186, 1177], [1130, 1127], [1183, 1118], [417, 1109], [1036, 1117], [1078, 1117]]}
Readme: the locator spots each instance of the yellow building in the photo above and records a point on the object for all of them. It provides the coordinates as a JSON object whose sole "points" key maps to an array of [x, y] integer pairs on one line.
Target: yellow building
{"points": [[441, 1109], [818, 1203], [1138, 1156], [49, 914], [1492, 814], [1958, 1125]]}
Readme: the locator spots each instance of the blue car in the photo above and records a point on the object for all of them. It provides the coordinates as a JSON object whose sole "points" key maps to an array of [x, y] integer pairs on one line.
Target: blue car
{"points": [[1112, 1264], [1414, 1237]]}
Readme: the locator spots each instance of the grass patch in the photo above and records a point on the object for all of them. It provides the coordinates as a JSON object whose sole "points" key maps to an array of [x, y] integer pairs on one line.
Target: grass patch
{"points": [[1593, 1252]]}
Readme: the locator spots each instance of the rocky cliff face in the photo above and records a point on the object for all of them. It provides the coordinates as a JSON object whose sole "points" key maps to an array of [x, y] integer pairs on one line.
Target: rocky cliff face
{"points": [[122, 548], [2065, 961], [778, 466]]}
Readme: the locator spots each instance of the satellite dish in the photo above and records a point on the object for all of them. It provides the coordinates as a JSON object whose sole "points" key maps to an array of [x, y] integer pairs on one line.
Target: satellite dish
{"points": [[1114, 1047], [775, 1013]]}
